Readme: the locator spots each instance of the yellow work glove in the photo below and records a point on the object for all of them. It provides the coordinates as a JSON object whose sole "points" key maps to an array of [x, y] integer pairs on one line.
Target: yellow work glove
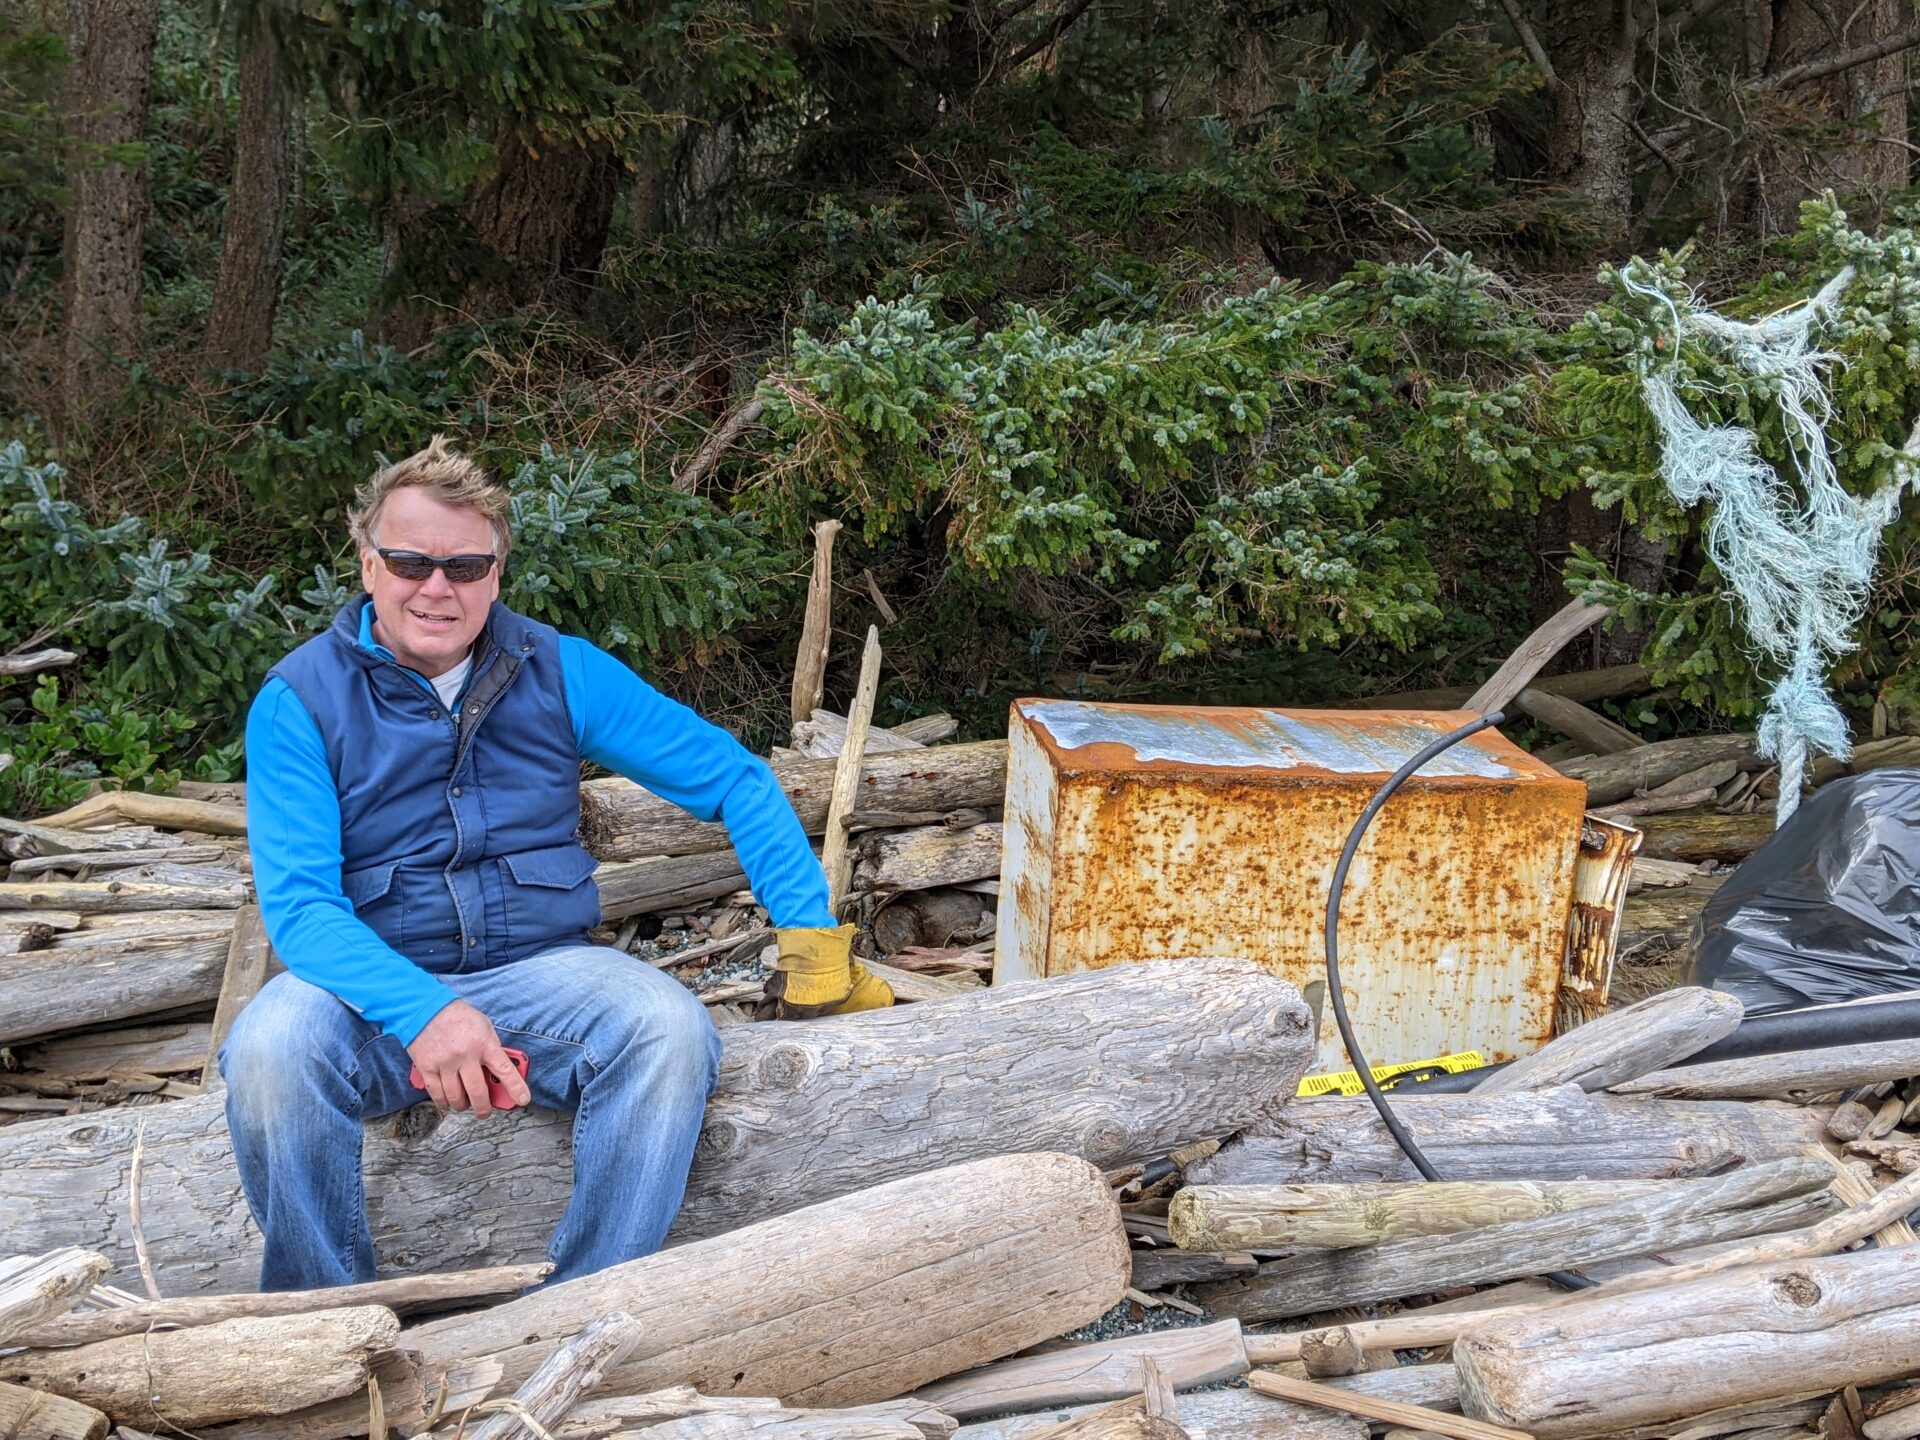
{"points": [[816, 974]]}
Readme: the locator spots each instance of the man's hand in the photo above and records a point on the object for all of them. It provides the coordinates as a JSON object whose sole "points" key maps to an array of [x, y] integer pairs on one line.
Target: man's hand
{"points": [[816, 974], [455, 1053]]}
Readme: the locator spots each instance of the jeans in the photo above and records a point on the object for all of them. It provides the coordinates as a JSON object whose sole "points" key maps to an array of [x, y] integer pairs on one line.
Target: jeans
{"points": [[625, 1048]]}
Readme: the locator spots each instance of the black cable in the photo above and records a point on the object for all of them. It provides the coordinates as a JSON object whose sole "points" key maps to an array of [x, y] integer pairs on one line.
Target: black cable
{"points": [[1564, 1278]]}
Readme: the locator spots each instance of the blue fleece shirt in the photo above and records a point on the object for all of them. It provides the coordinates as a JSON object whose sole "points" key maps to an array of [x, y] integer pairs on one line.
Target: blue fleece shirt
{"points": [[619, 722]]}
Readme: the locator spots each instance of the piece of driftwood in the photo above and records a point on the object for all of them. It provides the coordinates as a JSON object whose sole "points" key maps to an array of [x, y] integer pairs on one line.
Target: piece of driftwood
{"points": [[1135, 1418], [823, 735], [1226, 1414], [910, 985], [26, 662], [926, 857], [167, 812], [1165, 1266], [1657, 922], [1641, 805], [1319, 1217], [404, 1294], [1792, 1075], [782, 1425], [1615, 777], [1574, 720], [35, 1415], [35, 1288], [1532, 655], [598, 1418], [835, 857], [860, 1300], [1700, 835], [1627, 1043], [639, 887], [164, 1048], [1758, 1199], [1373, 1407], [1120, 1065], [1602, 1363], [1853, 1184], [621, 821], [92, 897], [182, 1378], [1558, 1134], [97, 861], [1100, 1370], [69, 987], [816, 627], [568, 1373], [23, 838], [250, 964]]}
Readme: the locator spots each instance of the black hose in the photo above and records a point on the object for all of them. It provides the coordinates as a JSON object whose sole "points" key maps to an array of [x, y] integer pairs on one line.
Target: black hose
{"points": [[1564, 1278]]}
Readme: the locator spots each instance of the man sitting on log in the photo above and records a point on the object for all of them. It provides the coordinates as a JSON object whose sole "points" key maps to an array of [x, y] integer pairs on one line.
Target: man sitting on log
{"points": [[413, 801]]}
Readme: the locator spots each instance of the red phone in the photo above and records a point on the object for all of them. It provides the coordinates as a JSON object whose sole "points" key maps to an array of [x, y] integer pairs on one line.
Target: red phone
{"points": [[497, 1094]]}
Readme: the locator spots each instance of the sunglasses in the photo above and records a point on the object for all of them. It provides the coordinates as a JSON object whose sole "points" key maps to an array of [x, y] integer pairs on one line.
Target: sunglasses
{"points": [[412, 565]]}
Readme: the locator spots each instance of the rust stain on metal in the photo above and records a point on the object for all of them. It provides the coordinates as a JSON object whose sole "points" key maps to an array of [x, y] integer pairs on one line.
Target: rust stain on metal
{"points": [[1182, 831]]}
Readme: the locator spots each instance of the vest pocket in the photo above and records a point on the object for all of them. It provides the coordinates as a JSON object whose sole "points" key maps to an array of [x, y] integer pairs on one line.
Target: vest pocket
{"points": [[548, 895], [372, 895]]}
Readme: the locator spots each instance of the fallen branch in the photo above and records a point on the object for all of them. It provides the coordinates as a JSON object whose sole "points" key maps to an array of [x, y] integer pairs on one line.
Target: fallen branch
{"points": [[27, 662], [1392, 1412], [1572, 620], [717, 444], [168, 812], [35, 1288]]}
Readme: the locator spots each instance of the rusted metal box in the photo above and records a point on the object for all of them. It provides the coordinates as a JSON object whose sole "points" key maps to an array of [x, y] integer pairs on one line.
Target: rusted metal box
{"points": [[1139, 831]]}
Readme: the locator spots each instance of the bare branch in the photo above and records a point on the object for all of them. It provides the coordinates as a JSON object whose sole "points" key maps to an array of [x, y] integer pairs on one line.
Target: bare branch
{"points": [[1049, 36], [717, 444], [30, 661], [1648, 141], [1694, 14], [1536, 52], [1845, 60]]}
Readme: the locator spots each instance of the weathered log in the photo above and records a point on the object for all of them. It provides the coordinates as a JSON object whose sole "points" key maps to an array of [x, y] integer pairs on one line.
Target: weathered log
{"points": [[859, 1300], [835, 858], [1643, 805], [1602, 1364], [1165, 1266], [67, 987], [782, 1425], [1393, 1412], [1792, 1075], [910, 985], [237, 1368], [823, 735], [106, 860], [1120, 1065], [92, 897], [1105, 1370], [1216, 1414], [1759, 1199], [24, 838], [168, 812], [34, 1288], [926, 857], [1532, 655], [627, 1414], [1316, 1217], [34, 1415], [1575, 721], [638, 887], [1615, 777], [166, 1048], [403, 1295], [1659, 921], [250, 964], [621, 821], [1634, 1041], [1699, 835], [816, 627], [1559, 1134], [568, 1373]]}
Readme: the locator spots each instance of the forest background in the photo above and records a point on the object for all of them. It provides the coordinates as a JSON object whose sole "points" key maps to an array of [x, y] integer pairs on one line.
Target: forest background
{"points": [[1227, 352]]}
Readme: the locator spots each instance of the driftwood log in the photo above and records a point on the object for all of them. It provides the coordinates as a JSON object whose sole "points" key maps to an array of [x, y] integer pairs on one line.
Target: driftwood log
{"points": [[1624, 1044], [785, 1425], [1559, 1134], [101, 974], [1399, 1413], [621, 821], [1792, 1075], [237, 1368], [1324, 1217], [860, 1300], [1615, 777], [569, 1372], [1217, 1414], [1601, 1365], [36, 1288], [607, 1415], [1106, 1370], [1698, 835], [161, 1048], [1756, 1200], [97, 897], [35, 1415], [926, 857], [1120, 1065]]}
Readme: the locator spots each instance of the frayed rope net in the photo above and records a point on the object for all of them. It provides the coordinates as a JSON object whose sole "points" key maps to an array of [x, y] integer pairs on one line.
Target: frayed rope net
{"points": [[1798, 558]]}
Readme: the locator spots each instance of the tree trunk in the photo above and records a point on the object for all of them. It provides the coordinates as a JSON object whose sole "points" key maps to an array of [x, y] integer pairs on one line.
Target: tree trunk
{"points": [[112, 67], [1559, 1134], [1589, 142], [544, 214], [855, 1301], [240, 327], [1120, 1065], [1608, 1364]]}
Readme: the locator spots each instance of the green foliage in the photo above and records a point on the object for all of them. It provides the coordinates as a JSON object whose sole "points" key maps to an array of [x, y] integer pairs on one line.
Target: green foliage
{"points": [[64, 746]]}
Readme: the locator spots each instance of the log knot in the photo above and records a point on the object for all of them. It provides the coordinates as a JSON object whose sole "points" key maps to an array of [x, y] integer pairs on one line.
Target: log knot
{"points": [[719, 1140], [786, 1066], [1798, 1289]]}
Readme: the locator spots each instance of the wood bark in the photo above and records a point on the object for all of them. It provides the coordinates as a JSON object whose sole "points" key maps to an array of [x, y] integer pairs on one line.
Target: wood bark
{"points": [[545, 214], [237, 1368], [162, 1049], [239, 334], [1120, 1065], [1626, 1044], [1615, 777], [402, 1295], [1600, 1365], [933, 918], [111, 70], [621, 821], [861, 1300], [1559, 1134], [1759, 1199], [1697, 835], [34, 1288], [66, 987], [638, 887], [1216, 1414], [1103, 1370], [1322, 1217], [570, 1372], [34, 1415], [1793, 1075], [927, 857]]}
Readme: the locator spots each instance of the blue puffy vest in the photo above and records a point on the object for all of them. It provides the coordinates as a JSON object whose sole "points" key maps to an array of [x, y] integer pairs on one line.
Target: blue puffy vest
{"points": [[457, 831]]}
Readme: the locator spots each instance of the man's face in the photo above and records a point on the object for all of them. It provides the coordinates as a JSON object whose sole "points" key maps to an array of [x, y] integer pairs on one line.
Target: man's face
{"points": [[429, 624]]}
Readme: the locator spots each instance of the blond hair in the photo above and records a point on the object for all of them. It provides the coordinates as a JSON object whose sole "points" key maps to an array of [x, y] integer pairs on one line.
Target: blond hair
{"points": [[446, 475]]}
